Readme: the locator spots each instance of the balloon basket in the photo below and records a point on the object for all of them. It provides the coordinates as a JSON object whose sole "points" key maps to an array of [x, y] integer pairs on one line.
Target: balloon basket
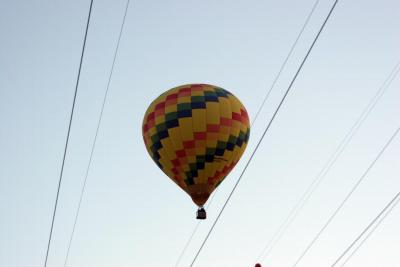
{"points": [[201, 214]]}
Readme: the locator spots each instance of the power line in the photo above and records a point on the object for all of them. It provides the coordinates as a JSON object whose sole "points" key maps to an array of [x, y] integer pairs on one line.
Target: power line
{"points": [[266, 129], [96, 134], [193, 233], [187, 244], [263, 103], [68, 133], [346, 198], [381, 217], [370, 233], [286, 60], [328, 165]]}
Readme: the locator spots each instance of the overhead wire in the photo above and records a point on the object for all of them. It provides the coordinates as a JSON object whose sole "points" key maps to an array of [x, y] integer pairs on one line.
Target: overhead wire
{"points": [[266, 97], [377, 222], [68, 133], [329, 164], [193, 233], [344, 201], [278, 75], [266, 129], [96, 133]]}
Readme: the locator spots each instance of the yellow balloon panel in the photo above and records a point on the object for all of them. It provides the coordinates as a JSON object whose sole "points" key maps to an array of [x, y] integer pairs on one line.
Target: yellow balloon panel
{"points": [[196, 134]]}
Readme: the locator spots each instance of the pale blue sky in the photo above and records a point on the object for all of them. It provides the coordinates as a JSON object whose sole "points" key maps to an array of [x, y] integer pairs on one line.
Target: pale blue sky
{"points": [[132, 214]]}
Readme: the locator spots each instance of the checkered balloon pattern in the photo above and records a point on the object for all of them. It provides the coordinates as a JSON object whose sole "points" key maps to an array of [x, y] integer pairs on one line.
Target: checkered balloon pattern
{"points": [[196, 134]]}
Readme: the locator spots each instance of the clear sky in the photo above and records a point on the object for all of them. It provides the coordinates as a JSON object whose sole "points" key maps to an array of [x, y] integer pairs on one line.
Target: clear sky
{"points": [[132, 214]]}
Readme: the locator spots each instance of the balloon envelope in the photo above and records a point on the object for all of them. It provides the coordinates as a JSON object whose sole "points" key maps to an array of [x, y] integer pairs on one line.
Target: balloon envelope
{"points": [[196, 134]]}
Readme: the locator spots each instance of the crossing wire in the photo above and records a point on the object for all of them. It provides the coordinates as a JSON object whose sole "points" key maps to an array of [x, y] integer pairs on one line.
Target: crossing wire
{"points": [[278, 75], [193, 233], [381, 217], [329, 164], [353, 189], [68, 134], [266, 97], [96, 133], [267, 128]]}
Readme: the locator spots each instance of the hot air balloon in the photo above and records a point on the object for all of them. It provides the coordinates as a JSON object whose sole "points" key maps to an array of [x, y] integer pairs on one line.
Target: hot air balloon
{"points": [[196, 134], [258, 265]]}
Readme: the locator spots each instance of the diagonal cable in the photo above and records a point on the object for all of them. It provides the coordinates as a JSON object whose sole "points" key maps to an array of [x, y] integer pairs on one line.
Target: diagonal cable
{"points": [[360, 180], [266, 97], [96, 134], [378, 220], [370, 233], [266, 129], [193, 233], [278, 75], [68, 134], [328, 165]]}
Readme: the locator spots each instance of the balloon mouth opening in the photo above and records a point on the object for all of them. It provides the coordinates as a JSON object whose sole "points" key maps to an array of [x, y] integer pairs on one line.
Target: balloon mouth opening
{"points": [[200, 199]]}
